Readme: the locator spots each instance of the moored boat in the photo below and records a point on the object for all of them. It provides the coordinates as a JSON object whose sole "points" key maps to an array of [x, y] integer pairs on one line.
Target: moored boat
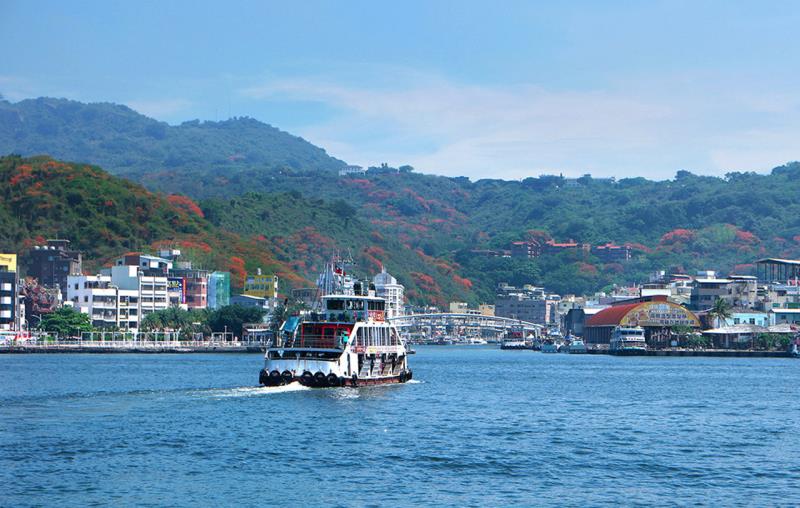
{"points": [[627, 340], [515, 344], [577, 346]]}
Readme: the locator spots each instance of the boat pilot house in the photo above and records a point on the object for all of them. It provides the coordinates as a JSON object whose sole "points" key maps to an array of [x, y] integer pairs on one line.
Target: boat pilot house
{"points": [[655, 314]]}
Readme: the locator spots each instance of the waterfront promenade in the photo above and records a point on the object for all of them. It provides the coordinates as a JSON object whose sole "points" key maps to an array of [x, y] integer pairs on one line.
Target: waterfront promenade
{"points": [[51, 346], [728, 353]]}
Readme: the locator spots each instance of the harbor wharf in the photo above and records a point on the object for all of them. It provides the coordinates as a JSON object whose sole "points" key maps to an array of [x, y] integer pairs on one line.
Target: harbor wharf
{"points": [[727, 353], [111, 347]]}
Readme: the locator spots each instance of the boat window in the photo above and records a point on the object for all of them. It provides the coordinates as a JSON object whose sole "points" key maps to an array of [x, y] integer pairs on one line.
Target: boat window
{"points": [[335, 304], [376, 305], [355, 305]]}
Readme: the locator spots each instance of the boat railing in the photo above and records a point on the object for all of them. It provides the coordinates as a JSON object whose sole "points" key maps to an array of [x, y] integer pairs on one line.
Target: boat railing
{"points": [[311, 342], [358, 348]]}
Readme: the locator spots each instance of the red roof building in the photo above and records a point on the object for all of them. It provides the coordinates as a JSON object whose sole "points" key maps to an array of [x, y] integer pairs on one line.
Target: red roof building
{"points": [[656, 315]]}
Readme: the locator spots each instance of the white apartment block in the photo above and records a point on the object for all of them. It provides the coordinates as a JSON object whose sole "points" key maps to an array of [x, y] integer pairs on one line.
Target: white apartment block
{"points": [[107, 305], [119, 299], [387, 288], [151, 289]]}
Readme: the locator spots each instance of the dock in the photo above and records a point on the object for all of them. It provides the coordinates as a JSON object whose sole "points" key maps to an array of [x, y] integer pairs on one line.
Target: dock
{"points": [[726, 353], [109, 347]]}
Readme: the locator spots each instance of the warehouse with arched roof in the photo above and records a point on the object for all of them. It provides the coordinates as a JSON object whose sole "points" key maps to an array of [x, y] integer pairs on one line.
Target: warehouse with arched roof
{"points": [[656, 315]]}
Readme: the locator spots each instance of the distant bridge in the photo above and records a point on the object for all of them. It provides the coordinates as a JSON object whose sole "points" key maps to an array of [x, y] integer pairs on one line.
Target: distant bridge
{"points": [[452, 321]]}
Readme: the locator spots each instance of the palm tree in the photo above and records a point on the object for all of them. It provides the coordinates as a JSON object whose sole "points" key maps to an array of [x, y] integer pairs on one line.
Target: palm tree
{"points": [[721, 311]]}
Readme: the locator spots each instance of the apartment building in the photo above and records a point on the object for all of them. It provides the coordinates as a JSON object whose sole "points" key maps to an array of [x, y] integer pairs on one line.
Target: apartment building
{"points": [[10, 317], [106, 304]]}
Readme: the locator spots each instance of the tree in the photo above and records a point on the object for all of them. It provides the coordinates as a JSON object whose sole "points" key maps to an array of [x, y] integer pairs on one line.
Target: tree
{"points": [[721, 311], [232, 317], [66, 322], [697, 341], [772, 340], [682, 332], [188, 322]]}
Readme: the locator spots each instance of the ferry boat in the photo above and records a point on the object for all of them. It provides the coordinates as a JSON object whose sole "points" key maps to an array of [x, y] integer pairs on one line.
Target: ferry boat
{"points": [[347, 343], [627, 340], [516, 339]]}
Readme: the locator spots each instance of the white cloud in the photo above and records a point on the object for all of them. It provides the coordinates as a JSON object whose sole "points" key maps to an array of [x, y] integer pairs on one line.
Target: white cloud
{"points": [[650, 129]]}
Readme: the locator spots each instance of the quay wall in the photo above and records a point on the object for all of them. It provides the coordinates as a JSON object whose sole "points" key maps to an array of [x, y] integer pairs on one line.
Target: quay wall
{"points": [[129, 349], [743, 353]]}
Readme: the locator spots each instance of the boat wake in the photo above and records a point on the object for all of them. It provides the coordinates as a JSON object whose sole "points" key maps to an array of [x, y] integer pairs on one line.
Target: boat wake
{"points": [[253, 391]]}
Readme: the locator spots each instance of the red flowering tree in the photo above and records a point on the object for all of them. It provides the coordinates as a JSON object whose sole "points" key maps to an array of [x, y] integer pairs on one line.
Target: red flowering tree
{"points": [[185, 204]]}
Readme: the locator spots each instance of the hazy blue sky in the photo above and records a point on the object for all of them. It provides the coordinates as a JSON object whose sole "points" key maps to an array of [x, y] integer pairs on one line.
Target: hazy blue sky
{"points": [[500, 88]]}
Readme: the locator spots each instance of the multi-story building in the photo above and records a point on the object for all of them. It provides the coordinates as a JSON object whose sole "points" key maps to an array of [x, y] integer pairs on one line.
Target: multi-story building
{"points": [[458, 307], [736, 290], [176, 292], [50, 264], [612, 253], [528, 303], [486, 309], [525, 249], [194, 284], [352, 170], [152, 289], [9, 294], [553, 247], [264, 286], [219, 290], [105, 303], [390, 290], [148, 265], [785, 316]]}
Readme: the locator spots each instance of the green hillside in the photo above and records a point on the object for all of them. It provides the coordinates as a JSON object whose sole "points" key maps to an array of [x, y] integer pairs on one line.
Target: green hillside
{"points": [[106, 216], [424, 228]]}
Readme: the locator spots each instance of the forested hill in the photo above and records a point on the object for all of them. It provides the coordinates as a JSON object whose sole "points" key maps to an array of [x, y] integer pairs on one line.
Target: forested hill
{"points": [[433, 232], [123, 141], [106, 216]]}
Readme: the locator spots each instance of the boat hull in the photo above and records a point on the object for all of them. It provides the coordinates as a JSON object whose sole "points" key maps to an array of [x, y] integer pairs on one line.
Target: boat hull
{"points": [[329, 382]]}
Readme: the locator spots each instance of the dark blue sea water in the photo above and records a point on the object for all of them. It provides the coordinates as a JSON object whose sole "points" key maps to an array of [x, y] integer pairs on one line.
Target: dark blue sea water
{"points": [[477, 427]]}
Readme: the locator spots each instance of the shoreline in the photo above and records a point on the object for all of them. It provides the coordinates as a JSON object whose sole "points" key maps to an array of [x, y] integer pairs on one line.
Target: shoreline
{"points": [[726, 353], [62, 349], [251, 349]]}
